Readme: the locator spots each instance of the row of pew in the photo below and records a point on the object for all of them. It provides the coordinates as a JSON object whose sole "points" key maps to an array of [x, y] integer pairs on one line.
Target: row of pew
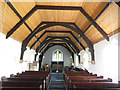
{"points": [[87, 81], [28, 80]]}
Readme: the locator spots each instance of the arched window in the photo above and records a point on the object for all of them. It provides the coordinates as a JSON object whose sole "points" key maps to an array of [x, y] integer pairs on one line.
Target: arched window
{"points": [[57, 55]]}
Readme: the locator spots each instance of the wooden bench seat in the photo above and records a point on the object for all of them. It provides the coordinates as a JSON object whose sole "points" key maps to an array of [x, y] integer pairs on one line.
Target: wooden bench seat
{"points": [[84, 77], [29, 80], [30, 75], [36, 72], [24, 79], [95, 85], [20, 88], [21, 83], [68, 83], [91, 80]]}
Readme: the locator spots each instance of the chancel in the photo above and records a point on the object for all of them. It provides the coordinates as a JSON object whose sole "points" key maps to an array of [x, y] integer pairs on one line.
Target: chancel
{"points": [[59, 45]]}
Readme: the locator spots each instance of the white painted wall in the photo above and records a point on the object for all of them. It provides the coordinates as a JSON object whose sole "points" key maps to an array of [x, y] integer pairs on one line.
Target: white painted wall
{"points": [[10, 55], [75, 60], [119, 57], [48, 56], [106, 59]]}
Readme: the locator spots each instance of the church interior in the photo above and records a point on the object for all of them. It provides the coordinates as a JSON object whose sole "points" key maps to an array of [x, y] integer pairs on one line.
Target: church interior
{"points": [[59, 45]]}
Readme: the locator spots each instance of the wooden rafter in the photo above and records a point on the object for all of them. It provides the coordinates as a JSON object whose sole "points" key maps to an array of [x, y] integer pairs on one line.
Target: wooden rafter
{"points": [[54, 44], [45, 25], [17, 13], [67, 43], [95, 24], [63, 39], [61, 44], [118, 3], [56, 41], [57, 32], [57, 8], [60, 41]]}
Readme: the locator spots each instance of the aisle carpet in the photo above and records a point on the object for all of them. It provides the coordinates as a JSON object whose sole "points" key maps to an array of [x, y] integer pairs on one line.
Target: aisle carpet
{"points": [[57, 82]]}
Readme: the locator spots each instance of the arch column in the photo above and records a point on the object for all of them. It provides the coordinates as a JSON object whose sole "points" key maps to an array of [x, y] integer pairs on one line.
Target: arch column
{"points": [[35, 57], [40, 61], [76, 60]]}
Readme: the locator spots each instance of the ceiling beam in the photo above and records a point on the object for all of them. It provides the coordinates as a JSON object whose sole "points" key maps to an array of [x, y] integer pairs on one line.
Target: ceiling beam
{"points": [[34, 9], [69, 41], [46, 25], [21, 22], [16, 12], [57, 32], [61, 44], [56, 41], [98, 15], [95, 24], [54, 44], [56, 8], [63, 39], [118, 3]]}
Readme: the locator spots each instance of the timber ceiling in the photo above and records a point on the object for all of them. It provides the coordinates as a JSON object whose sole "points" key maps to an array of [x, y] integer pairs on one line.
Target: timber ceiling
{"points": [[107, 20]]}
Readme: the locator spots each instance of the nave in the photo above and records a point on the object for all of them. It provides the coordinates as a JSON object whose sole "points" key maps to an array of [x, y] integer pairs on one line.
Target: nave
{"points": [[60, 44]]}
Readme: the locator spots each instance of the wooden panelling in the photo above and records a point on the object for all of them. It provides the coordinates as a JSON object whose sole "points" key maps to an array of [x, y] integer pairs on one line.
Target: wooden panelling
{"points": [[82, 21], [9, 18], [93, 9], [23, 7], [58, 15], [83, 42], [109, 19], [36, 45], [21, 33], [32, 41], [61, 3], [93, 34], [34, 20]]}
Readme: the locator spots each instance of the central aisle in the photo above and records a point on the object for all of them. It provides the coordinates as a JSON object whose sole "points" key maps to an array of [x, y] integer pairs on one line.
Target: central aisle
{"points": [[57, 82]]}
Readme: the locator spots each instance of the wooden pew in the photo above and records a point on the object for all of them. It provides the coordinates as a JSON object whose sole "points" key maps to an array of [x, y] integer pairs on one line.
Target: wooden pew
{"points": [[73, 79], [44, 83], [32, 80], [85, 77], [20, 88], [87, 81], [24, 79], [91, 80], [21, 83], [95, 85], [45, 76], [36, 72]]}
